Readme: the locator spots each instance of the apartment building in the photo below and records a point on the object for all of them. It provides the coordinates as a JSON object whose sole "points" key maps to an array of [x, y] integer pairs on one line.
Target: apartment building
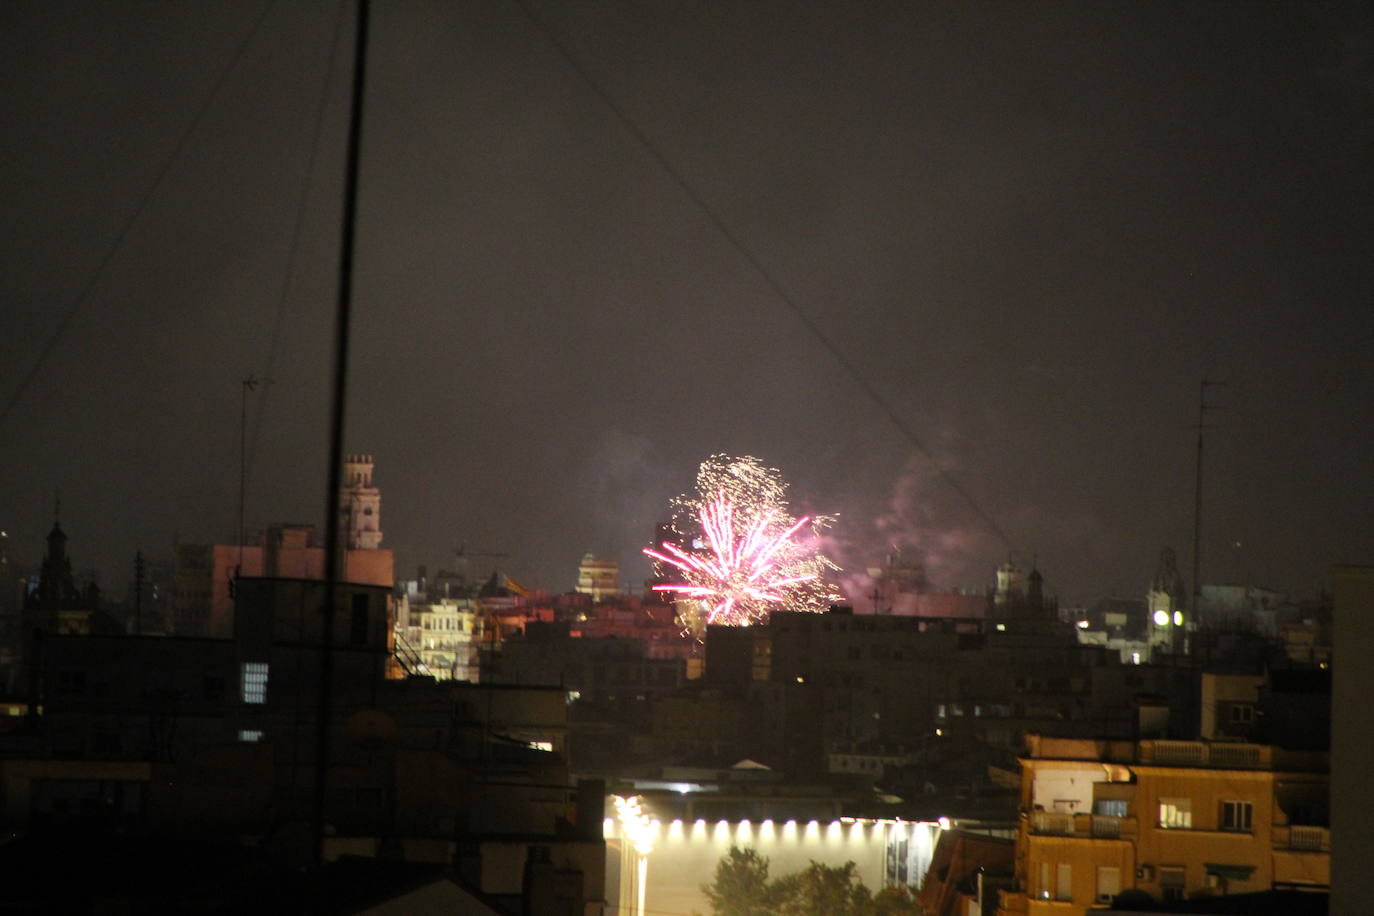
{"points": [[1171, 820]]}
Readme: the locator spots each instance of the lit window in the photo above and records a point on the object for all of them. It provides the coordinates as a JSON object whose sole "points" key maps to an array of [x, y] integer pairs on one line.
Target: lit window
{"points": [[250, 735], [1176, 813], [1110, 807], [254, 682], [542, 745]]}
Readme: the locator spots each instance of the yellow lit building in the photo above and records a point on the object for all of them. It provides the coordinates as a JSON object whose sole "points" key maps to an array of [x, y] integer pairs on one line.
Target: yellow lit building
{"points": [[598, 577], [446, 634], [1171, 819]]}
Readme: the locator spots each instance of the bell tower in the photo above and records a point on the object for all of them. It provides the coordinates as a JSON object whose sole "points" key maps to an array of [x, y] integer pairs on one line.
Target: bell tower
{"points": [[360, 505]]}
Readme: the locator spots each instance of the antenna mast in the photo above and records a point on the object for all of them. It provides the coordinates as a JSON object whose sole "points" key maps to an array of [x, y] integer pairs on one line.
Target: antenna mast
{"points": [[1202, 408]]}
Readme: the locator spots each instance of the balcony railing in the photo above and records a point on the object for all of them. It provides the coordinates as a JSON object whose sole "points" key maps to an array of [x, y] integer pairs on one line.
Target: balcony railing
{"points": [[1206, 754], [1309, 839], [1106, 826], [1052, 823], [1101, 826]]}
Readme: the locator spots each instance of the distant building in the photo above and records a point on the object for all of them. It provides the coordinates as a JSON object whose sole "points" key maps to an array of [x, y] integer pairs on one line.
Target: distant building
{"points": [[360, 505], [1246, 607], [216, 740], [966, 870], [53, 605], [598, 577], [203, 601], [1167, 626], [444, 635], [205, 574]]}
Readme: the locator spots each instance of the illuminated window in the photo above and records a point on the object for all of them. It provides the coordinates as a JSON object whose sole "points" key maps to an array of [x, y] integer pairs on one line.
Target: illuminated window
{"points": [[250, 735], [254, 682], [1176, 813], [1236, 816], [1110, 807], [542, 745]]}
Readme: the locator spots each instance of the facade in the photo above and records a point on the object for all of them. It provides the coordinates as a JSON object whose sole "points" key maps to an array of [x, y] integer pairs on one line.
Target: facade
{"points": [[1229, 705], [610, 669], [904, 680], [1352, 791], [966, 871], [444, 635], [1172, 820], [598, 577], [205, 573]]}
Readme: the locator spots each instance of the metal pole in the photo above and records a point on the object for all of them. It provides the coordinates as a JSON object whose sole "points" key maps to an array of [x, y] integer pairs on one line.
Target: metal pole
{"points": [[336, 426], [1193, 610], [249, 384], [640, 879]]}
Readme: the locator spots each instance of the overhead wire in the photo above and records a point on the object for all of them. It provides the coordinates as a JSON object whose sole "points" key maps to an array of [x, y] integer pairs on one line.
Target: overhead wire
{"points": [[756, 263], [88, 289], [293, 247]]}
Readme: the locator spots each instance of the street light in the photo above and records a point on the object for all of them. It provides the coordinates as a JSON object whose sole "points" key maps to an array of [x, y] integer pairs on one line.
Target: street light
{"points": [[640, 830]]}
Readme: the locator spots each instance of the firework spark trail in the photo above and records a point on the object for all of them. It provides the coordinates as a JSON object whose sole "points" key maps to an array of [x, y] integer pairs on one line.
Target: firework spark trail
{"points": [[745, 561]]}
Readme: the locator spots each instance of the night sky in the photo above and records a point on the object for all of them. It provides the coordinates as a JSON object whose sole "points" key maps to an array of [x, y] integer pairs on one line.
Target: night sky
{"points": [[1032, 228]]}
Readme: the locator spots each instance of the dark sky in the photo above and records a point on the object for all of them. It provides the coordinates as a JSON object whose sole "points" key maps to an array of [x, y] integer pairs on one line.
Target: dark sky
{"points": [[1032, 227]]}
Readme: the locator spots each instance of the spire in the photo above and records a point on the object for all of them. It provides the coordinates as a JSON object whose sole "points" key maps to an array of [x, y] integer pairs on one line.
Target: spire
{"points": [[1167, 578]]}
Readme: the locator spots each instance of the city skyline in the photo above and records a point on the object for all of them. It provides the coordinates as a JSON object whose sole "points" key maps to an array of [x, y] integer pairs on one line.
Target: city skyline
{"points": [[1032, 231]]}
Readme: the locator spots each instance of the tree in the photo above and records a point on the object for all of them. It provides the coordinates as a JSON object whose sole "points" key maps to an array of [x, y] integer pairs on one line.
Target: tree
{"points": [[742, 888], [824, 889]]}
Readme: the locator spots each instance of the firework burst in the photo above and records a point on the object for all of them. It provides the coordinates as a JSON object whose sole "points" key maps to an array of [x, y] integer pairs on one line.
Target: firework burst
{"points": [[739, 554]]}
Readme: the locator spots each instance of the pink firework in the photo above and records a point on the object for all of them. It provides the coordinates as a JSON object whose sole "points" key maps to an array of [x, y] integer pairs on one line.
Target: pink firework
{"points": [[746, 565]]}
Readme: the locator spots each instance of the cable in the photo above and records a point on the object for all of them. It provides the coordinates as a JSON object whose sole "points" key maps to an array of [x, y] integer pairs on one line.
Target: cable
{"points": [[753, 261], [294, 246], [93, 281]]}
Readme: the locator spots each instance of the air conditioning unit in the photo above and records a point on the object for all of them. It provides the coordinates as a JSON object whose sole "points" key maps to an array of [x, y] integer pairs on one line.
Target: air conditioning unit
{"points": [[1145, 873]]}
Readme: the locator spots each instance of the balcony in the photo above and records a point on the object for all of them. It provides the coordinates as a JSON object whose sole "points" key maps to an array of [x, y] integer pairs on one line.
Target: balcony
{"points": [[1052, 823], [1087, 826], [1106, 826], [1206, 754], [1301, 838]]}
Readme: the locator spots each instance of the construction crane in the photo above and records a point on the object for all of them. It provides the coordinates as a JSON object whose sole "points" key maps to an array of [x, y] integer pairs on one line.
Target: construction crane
{"points": [[463, 553]]}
